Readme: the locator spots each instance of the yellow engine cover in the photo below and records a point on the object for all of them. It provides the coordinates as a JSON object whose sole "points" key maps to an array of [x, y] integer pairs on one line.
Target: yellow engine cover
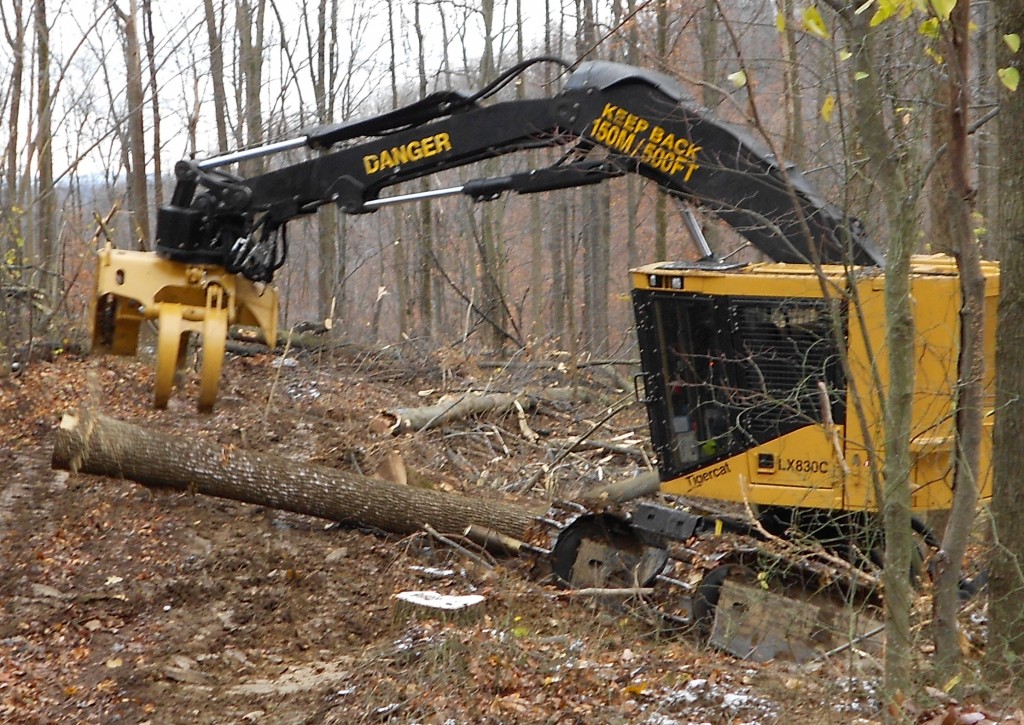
{"points": [[835, 465]]}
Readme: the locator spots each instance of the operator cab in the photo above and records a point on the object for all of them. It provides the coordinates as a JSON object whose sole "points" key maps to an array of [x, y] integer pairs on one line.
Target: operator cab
{"points": [[728, 373]]}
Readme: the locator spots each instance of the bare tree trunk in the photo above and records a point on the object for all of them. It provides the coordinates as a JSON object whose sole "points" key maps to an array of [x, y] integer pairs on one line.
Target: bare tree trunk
{"points": [[570, 242], [493, 272], [322, 53], [1004, 655], [897, 174], [661, 200], [633, 183], [425, 218], [138, 186], [250, 19], [14, 29], [214, 31], [985, 139], [401, 269], [154, 91], [595, 232], [710, 56], [558, 302], [13, 252], [46, 226], [958, 197], [541, 323], [536, 329], [92, 443], [793, 147]]}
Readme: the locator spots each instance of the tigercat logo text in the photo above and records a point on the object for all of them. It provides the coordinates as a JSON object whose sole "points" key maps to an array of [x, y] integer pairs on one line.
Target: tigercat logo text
{"points": [[696, 479], [412, 151]]}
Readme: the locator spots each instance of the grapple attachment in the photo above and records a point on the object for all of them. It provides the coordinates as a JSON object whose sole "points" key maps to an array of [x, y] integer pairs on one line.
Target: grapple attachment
{"points": [[183, 299]]}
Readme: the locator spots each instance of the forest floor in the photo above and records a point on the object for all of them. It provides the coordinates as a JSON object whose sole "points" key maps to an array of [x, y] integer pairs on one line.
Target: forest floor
{"points": [[121, 604]]}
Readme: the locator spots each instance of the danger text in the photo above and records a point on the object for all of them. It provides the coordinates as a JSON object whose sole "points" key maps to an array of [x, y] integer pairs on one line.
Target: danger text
{"points": [[413, 151]]}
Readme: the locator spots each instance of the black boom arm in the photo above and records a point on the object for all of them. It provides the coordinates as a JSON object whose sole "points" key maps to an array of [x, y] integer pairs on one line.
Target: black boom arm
{"points": [[615, 118]]}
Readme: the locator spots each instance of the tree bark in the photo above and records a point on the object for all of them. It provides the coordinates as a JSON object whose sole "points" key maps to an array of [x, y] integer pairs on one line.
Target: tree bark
{"points": [[46, 201], [661, 200], [425, 253], [1004, 655], [15, 33], [643, 484], [958, 197], [493, 259], [13, 252], [793, 149], [250, 16], [897, 172], [138, 184], [154, 101], [93, 443], [214, 30], [458, 407]]}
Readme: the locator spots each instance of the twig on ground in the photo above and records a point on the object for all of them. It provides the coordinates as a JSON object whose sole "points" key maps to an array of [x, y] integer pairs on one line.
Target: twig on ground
{"points": [[457, 546], [607, 592]]}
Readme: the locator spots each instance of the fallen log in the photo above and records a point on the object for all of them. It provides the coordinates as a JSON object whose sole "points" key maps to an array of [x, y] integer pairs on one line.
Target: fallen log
{"points": [[457, 407], [304, 338], [643, 484], [553, 364], [598, 445], [93, 443]]}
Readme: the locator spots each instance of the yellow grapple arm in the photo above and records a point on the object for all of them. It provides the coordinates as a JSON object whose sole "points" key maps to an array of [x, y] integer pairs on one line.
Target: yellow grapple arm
{"points": [[132, 287]]}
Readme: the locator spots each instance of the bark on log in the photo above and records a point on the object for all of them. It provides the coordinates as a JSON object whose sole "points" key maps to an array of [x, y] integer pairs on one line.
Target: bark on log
{"points": [[592, 444], [303, 340], [93, 443], [552, 365], [464, 405], [643, 484]]}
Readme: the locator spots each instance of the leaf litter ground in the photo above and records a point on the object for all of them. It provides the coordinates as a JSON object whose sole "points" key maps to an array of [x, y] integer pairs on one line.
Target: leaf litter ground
{"points": [[121, 604]]}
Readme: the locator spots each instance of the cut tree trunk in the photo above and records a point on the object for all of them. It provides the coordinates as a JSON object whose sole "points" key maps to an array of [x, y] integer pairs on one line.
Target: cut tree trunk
{"points": [[93, 443], [643, 484], [464, 405]]}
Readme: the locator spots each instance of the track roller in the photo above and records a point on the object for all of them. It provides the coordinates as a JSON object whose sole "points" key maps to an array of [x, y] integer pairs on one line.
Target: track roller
{"points": [[763, 609], [604, 550]]}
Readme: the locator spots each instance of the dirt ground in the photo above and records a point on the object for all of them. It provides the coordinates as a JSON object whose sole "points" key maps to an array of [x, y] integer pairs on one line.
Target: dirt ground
{"points": [[121, 604]]}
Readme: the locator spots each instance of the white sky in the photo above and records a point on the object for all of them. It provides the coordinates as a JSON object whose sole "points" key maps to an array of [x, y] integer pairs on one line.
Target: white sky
{"points": [[89, 75]]}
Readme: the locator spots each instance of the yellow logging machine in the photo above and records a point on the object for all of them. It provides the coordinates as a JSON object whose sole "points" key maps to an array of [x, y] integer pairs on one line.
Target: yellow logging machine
{"points": [[762, 382]]}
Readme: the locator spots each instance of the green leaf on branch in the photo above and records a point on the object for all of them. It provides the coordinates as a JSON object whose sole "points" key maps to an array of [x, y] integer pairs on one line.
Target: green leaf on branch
{"points": [[886, 9], [1009, 77], [738, 79], [929, 28], [1012, 42], [814, 24], [828, 107], [902, 8], [943, 8]]}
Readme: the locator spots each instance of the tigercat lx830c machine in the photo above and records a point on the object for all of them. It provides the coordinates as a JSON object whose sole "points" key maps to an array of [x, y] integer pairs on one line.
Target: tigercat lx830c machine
{"points": [[761, 381]]}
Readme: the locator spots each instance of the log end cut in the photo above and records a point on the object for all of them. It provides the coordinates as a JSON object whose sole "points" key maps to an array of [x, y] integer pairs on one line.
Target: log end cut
{"points": [[71, 441]]}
